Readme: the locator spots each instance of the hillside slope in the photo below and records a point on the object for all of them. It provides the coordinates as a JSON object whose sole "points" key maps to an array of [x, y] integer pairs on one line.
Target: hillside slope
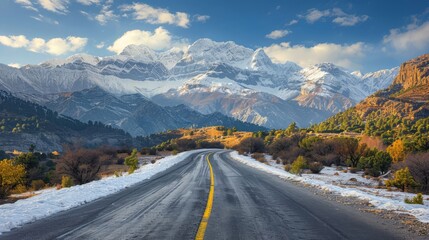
{"points": [[23, 123], [399, 112]]}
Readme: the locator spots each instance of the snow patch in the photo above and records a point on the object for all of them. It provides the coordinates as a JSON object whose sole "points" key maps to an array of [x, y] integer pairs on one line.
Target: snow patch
{"points": [[48, 202], [379, 198]]}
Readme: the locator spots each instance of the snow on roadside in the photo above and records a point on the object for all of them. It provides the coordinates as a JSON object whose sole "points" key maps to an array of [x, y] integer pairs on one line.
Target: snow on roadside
{"points": [[47, 203], [379, 198]]}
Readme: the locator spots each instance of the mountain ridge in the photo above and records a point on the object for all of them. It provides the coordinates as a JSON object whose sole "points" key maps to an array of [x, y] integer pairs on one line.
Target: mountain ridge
{"points": [[206, 68]]}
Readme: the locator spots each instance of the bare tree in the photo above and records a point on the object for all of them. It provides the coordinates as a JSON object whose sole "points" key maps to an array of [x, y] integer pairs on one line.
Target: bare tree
{"points": [[81, 164], [419, 168]]}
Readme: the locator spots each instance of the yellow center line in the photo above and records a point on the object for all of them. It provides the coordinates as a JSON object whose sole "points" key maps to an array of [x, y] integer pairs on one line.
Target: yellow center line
{"points": [[204, 221]]}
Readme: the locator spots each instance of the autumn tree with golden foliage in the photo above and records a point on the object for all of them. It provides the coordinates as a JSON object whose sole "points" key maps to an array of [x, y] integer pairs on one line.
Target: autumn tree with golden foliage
{"points": [[397, 151], [10, 176]]}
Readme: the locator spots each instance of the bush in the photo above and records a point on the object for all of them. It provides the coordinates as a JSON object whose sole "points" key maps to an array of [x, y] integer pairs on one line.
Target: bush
{"points": [[120, 161], [259, 157], [419, 169], [251, 145], [315, 167], [66, 181], [11, 176], [132, 161], [37, 184], [81, 164], [118, 174], [376, 163], [288, 167], [402, 179], [372, 172], [418, 199], [299, 164]]}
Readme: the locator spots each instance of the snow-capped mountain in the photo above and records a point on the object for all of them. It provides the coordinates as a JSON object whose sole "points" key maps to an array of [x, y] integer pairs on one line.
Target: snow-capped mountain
{"points": [[207, 76]]}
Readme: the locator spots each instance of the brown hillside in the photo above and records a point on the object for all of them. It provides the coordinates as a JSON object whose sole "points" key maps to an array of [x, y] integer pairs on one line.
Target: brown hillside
{"points": [[407, 97]]}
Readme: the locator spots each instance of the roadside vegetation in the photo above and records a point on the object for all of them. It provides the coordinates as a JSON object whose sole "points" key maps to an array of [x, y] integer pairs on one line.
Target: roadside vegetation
{"points": [[400, 165]]}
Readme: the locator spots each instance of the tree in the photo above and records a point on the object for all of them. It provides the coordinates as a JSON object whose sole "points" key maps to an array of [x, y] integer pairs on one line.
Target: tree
{"points": [[251, 145], [299, 164], [378, 162], [292, 128], [419, 169], [397, 151], [80, 164], [28, 160], [350, 150], [10, 176], [132, 161], [32, 148], [402, 179]]}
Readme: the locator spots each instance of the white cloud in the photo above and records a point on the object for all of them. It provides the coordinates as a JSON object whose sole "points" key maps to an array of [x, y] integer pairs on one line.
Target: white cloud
{"points": [[100, 45], [348, 56], [411, 39], [160, 39], [292, 22], [313, 15], [14, 41], [55, 46], [105, 15], [89, 2], [339, 16], [26, 4], [58, 6], [36, 45], [276, 34], [344, 19], [42, 18], [201, 18], [14, 65], [152, 15]]}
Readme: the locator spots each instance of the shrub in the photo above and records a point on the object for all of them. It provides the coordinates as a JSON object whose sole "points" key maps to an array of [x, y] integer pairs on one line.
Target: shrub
{"points": [[372, 172], [419, 169], [315, 167], [11, 176], [132, 161], [120, 161], [299, 164], [376, 163], [66, 181], [418, 199], [37, 184], [402, 179], [259, 157], [81, 164], [288, 167], [174, 152], [251, 145]]}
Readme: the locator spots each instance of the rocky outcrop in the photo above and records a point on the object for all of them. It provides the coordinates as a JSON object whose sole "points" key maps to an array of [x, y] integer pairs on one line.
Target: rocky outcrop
{"points": [[414, 72], [407, 97]]}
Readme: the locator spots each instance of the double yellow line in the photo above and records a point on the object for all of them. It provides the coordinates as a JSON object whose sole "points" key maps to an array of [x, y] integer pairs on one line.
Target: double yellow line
{"points": [[205, 220]]}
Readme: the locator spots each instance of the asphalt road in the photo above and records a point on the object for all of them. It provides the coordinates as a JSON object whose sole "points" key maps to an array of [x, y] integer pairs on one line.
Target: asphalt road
{"points": [[248, 204]]}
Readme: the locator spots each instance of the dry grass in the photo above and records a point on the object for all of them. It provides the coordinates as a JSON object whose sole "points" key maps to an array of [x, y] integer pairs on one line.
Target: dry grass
{"points": [[212, 134]]}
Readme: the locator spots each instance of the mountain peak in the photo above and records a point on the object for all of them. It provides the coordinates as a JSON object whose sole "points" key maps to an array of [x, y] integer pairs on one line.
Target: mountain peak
{"points": [[80, 57], [260, 61], [140, 52]]}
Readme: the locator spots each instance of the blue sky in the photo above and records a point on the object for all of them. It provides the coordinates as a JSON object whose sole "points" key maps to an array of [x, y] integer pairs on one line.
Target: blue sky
{"points": [[359, 35]]}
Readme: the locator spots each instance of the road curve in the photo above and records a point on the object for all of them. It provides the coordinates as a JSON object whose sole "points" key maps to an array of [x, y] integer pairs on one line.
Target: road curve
{"points": [[248, 204]]}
